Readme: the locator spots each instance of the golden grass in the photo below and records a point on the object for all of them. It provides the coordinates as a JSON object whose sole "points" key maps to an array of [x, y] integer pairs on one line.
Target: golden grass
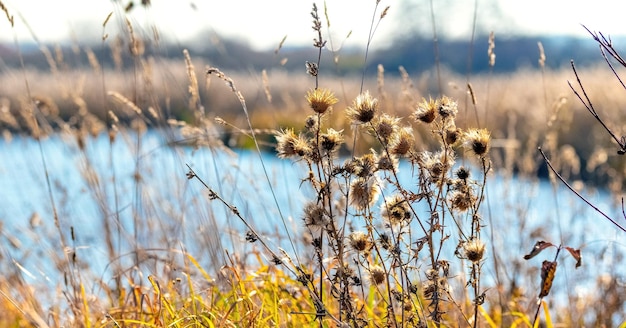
{"points": [[374, 250]]}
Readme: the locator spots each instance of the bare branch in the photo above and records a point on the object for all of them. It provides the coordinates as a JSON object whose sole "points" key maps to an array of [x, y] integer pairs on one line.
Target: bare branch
{"points": [[577, 193]]}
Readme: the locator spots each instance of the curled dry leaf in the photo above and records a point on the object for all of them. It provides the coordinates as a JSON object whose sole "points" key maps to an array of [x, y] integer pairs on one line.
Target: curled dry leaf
{"points": [[576, 254], [539, 246]]}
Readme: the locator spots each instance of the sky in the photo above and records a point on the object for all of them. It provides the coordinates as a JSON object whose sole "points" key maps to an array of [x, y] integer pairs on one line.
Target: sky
{"points": [[263, 24]]}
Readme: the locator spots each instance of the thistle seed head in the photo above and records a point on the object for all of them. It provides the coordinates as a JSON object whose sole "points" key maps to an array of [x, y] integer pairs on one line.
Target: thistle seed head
{"points": [[363, 108], [360, 241], [377, 275], [474, 250], [321, 100], [288, 144], [478, 141], [426, 111]]}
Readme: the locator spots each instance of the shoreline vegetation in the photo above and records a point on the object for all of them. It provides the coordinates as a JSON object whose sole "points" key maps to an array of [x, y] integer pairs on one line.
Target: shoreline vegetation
{"points": [[518, 113], [370, 250]]}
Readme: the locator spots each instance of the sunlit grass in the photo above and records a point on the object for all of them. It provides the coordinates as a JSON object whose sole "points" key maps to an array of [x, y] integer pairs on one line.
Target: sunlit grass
{"points": [[177, 241]]}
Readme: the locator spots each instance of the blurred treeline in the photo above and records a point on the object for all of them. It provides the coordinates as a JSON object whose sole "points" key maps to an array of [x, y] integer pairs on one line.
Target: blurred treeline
{"points": [[416, 54]]}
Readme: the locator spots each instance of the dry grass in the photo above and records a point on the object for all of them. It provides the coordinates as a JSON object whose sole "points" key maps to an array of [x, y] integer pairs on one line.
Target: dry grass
{"points": [[361, 243]]}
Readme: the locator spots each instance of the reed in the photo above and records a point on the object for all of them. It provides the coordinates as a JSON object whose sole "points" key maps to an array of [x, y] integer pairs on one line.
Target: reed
{"points": [[401, 212]]}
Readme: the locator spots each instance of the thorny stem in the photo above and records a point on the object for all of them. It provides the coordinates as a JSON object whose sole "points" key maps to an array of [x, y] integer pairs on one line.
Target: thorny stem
{"points": [[214, 195], [560, 177]]}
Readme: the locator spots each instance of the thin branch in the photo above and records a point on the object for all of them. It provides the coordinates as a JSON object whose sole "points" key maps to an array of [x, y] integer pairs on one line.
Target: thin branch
{"points": [[607, 44], [576, 192], [608, 62], [587, 103]]}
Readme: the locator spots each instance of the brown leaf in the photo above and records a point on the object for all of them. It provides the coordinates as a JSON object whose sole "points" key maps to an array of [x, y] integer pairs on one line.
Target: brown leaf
{"points": [[548, 270], [539, 246], [575, 254]]}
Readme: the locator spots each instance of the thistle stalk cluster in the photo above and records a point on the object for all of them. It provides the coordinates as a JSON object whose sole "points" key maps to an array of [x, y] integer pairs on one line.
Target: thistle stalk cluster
{"points": [[368, 226]]}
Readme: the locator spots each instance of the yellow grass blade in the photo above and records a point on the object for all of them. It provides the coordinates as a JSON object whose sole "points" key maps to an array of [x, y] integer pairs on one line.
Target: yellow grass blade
{"points": [[164, 302], [521, 317], [485, 315], [546, 312], [85, 306], [197, 265]]}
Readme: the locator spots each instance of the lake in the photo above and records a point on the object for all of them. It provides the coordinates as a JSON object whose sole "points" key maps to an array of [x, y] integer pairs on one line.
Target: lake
{"points": [[134, 195]]}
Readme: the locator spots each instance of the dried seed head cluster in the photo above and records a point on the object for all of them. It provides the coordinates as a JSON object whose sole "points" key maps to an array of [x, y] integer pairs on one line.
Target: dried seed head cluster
{"points": [[290, 145], [478, 141], [321, 100], [474, 250], [360, 241], [396, 210], [426, 111], [315, 216], [365, 177], [363, 193], [377, 275], [363, 108], [331, 141], [385, 126]]}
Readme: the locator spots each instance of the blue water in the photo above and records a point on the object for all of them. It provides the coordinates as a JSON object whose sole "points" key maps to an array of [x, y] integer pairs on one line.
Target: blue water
{"points": [[165, 212]]}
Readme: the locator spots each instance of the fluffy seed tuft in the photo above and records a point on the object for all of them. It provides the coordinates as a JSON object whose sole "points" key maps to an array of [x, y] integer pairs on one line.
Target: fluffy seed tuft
{"points": [[363, 108], [477, 140], [426, 111], [377, 275], [321, 100], [359, 241], [474, 250]]}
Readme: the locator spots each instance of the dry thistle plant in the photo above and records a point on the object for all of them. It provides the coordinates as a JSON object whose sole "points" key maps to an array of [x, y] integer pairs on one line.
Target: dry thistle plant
{"points": [[375, 235]]}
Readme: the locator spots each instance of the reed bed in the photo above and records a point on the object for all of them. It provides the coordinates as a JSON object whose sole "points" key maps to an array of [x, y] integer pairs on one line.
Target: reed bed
{"points": [[173, 215]]}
